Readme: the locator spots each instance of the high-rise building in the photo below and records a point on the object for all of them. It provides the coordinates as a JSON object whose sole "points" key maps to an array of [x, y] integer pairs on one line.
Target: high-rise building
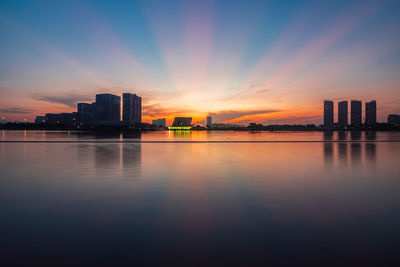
{"points": [[84, 107], [132, 108], [94, 110], [356, 111], [328, 114], [209, 121], [86, 113], [159, 122], [108, 108], [343, 114], [394, 119], [370, 113]]}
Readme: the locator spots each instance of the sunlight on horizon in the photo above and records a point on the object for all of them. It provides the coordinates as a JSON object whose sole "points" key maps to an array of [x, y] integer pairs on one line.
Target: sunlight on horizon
{"points": [[258, 62]]}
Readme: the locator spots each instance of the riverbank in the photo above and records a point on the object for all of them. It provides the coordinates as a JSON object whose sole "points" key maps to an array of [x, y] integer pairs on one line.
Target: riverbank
{"points": [[149, 127]]}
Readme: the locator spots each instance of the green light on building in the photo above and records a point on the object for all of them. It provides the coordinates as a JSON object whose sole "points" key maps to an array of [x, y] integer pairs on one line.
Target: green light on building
{"points": [[179, 128]]}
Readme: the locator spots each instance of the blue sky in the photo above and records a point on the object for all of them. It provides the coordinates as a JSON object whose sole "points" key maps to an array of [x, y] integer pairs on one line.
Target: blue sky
{"points": [[264, 61]]}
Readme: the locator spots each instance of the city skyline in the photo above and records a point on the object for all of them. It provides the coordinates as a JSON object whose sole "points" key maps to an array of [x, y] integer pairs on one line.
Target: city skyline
{"points": [[107, 109], [357, 120], [253, 61], [110, 108]]}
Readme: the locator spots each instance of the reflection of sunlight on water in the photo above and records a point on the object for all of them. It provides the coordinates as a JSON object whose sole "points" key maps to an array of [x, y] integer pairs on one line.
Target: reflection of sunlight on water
{"points": [[190, 193], [181, 132], [197, 136]]}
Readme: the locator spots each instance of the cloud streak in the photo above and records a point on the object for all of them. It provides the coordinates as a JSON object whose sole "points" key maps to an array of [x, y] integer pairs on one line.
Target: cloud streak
{"points": [[294, 120], [228, 115], [157, 110], [16, 111], [69, 100]]}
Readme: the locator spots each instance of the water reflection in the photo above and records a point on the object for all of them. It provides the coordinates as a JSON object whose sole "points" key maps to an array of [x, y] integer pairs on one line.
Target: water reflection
{"points": [[185, 135], [126, 157], [193, 196], [132, 159], [355, 149], [370, 149], [328, 148], [69, 135], [180, 133], [85, 152], [343, 149], [359, 151], [114, 158], [132, 135], [132, 155], [107, 156]]}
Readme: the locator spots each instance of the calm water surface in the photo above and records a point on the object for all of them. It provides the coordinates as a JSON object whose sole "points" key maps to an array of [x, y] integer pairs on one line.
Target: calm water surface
{"points": [[200, 203]]}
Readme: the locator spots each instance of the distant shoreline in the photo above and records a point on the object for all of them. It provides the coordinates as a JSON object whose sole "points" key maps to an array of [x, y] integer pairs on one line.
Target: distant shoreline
{"points": [[268, 128]]}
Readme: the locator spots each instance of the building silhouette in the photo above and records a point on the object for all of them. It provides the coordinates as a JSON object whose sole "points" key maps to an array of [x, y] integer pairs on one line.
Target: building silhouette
{"points": [[59, 118], [394, 119], [84, 108], [182, 122], [370, 113], [40, 119], [108, 108], [159, 122], [86, 113], [343, 114], [209, 121], [356, 110], [94, 110], [132, 108], [328, 114]]}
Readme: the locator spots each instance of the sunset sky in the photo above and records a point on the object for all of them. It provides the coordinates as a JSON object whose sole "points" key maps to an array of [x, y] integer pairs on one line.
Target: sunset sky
{"points": [[270, 62]]}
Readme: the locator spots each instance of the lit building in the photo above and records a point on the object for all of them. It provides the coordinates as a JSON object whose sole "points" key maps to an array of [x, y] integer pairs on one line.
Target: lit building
{"points": [[181, 123], [356, 111], [370, 113], [132, 108], [343, 114], [394, 119], [108, 108], [328, 114], [59, 118], [209, 121], [40, 119], [159, 122]]}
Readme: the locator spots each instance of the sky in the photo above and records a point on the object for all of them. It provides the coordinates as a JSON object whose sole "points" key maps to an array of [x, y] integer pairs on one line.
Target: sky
{"points": [[270, 62]]}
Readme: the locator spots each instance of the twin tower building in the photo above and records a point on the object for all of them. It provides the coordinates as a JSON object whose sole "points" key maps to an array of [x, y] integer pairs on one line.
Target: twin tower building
{"points": [[107, 108], [356, 114]]}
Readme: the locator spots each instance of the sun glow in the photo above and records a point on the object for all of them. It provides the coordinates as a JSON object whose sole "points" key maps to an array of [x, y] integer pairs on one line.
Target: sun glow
{"points": [[203, 57]]}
